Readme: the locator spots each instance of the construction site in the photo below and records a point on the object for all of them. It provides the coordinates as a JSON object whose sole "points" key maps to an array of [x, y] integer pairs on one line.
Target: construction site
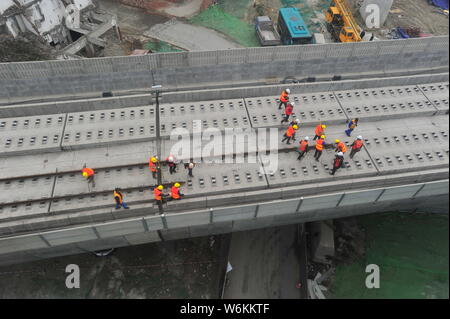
{"points": [[161, 96]]}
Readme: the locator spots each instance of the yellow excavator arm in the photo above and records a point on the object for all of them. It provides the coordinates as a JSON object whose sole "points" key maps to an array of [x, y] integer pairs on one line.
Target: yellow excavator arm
{"points": [[350, 31]]}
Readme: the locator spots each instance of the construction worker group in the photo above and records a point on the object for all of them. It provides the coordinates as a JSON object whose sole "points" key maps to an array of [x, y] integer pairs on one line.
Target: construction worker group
{"points": [[154, 164], [319, 136]]}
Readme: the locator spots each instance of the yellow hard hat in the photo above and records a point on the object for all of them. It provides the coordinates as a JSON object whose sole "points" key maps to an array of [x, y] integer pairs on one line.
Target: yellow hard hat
{"points": [[323, 136], [153, 159], [295, 127], [160, 187], [85, 174], [324, 126], [336, 141], [177, 185]]}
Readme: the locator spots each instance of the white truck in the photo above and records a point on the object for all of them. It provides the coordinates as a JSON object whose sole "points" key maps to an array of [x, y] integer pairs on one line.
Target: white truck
{"points": [[267, 34]]}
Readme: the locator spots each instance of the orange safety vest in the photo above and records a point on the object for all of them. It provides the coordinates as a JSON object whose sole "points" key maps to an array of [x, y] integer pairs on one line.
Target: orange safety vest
{"points": [[290, 131], [89, 171], [341, 146], [118, 195], [175, 192], [284, 97], [357, 144], [319, 145], [152, 166], [157, 193], [303, 145], [319, 130]]}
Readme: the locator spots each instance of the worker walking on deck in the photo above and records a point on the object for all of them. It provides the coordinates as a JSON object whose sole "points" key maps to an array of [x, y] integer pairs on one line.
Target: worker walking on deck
{"points": [[290, 134], [320, 130], [158, 194], [118, 197], [356, 146], [338, 162], [295, 122], [284, 98], [175, 193], [171, 163], [303, 147], [190, 167], [88, 174], [351, 126], [288, 112], [154, 166], [340, 146], [320, 144]]}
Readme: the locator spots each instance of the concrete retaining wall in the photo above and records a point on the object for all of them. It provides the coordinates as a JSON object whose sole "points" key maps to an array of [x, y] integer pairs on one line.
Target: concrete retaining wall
{"points": [[226, 67], [221, 220]]}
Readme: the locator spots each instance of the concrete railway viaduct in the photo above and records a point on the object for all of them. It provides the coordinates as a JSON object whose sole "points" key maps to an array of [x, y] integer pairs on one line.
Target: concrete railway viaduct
{"points": [[55, 117]]}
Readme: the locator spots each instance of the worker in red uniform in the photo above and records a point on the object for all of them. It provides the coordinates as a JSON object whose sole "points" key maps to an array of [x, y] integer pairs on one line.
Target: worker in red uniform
{"points": [[288, 112], [118, 197], [340, 146], [303, 147], [320, 144], [154, 166], [356, 146], [320, 130], [338, 162], [290, 134], [88, 174], [158, 194], [171, 163], [175, 193], [284, 98]]}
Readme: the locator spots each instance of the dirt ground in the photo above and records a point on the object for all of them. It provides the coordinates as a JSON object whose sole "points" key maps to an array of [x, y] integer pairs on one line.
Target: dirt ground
{"points": [[187, 268]]}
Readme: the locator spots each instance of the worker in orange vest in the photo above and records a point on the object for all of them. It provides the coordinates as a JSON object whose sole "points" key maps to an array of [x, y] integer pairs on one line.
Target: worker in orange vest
{"points": [[320, 144], [287, 112], [338, 162], [320, 130], [303, 147], [171, 163], [290, 134], [118, 197], [340, 146], [175, 193], [284, 98], [154, 166], [356, 146], [88, 174], [158, 194]]}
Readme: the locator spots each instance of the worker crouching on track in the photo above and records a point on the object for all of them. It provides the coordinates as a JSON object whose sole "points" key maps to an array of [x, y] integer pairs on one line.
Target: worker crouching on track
{"points": [[351, 126], [290, 134], [303, 147], [320, 144], [288, 112], [175, 193], [320, 130], [154, 166], [356, 146], [284, 98], [88, 174], [338, 162], [340, 146], [171, 163], [118, 197], [158, 194]]}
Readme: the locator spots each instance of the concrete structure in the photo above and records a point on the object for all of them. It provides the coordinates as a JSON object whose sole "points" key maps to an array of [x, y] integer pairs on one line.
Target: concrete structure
{"points": [[367, 10], [47, 209]]}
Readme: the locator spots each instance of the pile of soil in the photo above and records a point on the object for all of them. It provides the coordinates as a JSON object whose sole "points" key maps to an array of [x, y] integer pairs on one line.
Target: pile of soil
{"points": [[23, 48]]}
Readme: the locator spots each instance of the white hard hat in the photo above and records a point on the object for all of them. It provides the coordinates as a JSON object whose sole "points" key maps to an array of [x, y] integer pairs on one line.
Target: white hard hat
{"points": [[359, 137], [340, 154], [292, 103], [170, 158], [306, 138], [288, 91], [297, 121]]}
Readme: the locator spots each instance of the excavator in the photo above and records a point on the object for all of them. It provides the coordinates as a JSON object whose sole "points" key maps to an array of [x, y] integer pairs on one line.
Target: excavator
{"points": [[341, 23]]}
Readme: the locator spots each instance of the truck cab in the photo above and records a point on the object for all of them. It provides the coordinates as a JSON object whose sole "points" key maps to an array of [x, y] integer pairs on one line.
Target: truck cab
{"points": [[292, 28]]}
